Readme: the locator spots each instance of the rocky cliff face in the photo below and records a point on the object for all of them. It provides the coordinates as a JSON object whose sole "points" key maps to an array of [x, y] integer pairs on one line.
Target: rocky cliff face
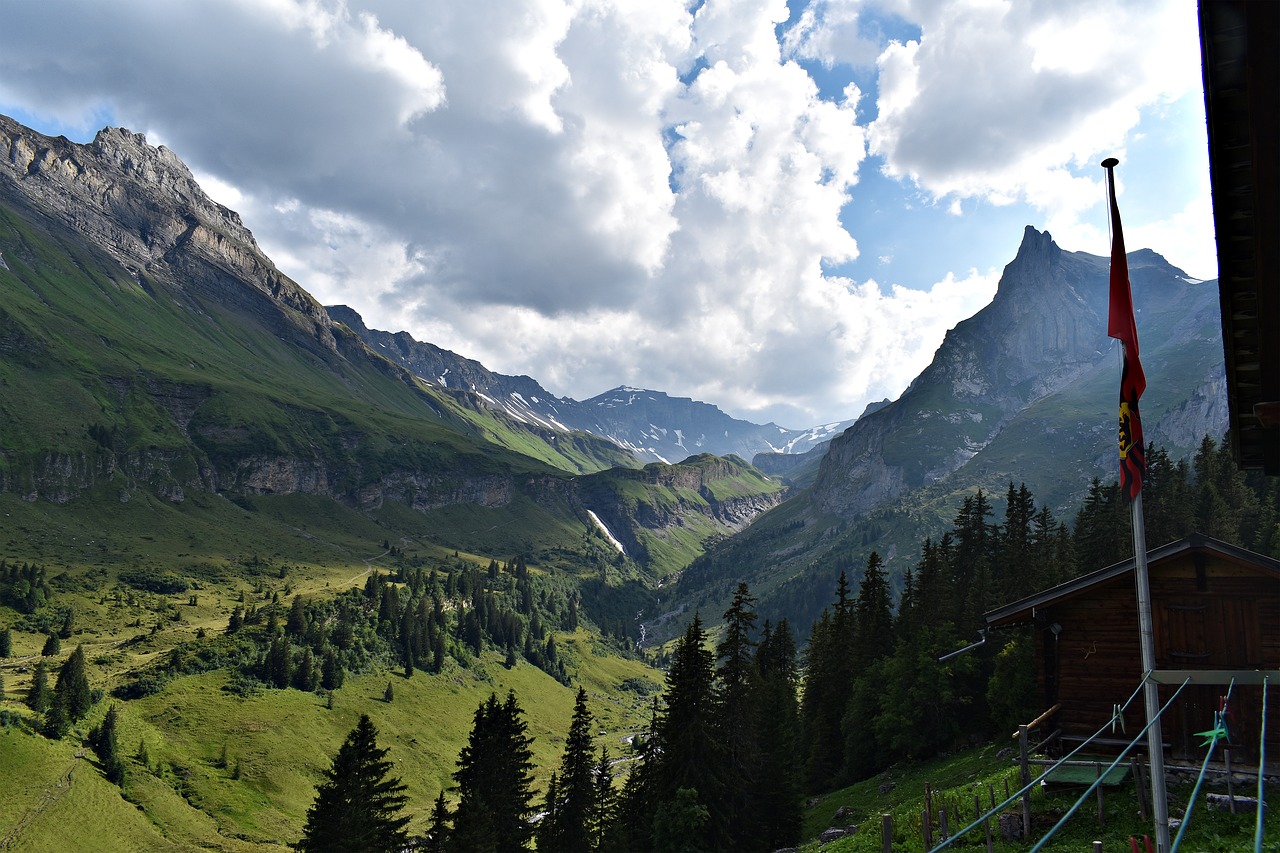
{"points": [[1044, 333], [143, 206]]}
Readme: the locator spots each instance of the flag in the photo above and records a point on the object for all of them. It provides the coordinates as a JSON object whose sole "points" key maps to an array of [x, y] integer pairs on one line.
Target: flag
{"points": [[1122, 326]]}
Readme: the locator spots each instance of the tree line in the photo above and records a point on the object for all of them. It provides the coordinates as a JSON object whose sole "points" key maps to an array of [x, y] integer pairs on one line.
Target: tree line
{"points": [[714, 769]]}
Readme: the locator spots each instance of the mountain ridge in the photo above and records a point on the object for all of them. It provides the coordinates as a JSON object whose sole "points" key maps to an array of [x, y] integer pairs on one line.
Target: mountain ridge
{"points": [[186, 363], [653, 425]]}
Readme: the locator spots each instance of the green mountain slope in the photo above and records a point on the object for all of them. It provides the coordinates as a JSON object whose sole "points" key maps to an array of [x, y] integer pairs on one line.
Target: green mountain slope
{"points": [[1023, 392]]}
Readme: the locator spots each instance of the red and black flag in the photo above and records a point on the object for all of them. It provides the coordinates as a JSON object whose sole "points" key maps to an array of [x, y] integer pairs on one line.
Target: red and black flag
{"points": [[1122, 326]]}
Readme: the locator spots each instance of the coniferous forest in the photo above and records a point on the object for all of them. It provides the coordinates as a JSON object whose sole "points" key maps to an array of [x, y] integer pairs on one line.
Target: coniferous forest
{"points": [[749, 725]]}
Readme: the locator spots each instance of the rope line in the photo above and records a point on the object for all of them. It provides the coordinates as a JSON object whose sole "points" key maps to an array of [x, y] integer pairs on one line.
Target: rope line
{"points": [[1071, 811], [1262, 763], [1118, 710], [1219, 726]]}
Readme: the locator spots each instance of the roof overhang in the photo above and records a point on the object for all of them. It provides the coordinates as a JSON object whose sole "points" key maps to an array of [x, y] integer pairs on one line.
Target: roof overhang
{"points": [[1024, 611], [1240, 60]]}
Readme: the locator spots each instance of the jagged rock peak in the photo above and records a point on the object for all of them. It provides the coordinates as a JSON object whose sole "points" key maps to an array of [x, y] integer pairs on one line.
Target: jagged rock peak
{"points": [[144, 207]]}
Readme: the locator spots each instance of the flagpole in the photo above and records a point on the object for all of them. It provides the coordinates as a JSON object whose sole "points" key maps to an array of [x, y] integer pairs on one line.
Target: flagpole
{"points": [[1151, 690]]}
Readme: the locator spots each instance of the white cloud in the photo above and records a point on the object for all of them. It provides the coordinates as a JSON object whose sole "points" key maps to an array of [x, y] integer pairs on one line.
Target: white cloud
{"points": [[598, 192]]}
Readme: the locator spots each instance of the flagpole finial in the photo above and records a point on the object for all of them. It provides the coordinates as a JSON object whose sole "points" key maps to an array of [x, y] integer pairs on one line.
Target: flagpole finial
{"points": [[1110, 163]]}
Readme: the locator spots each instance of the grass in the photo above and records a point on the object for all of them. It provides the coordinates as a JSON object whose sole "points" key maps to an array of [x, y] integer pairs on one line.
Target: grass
{"points": [[958, 778], [276, 744]]}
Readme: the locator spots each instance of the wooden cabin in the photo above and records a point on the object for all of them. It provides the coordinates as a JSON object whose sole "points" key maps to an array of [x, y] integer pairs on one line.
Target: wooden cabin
{"points": [[1215, 607]]}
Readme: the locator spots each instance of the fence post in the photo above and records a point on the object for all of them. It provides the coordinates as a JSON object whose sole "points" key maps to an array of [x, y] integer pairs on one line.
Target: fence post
{"points": [[1231, 785], [943, 826], [1025, 779], [886, 832], [926, 821], [1097, 770], [1137, 782]]}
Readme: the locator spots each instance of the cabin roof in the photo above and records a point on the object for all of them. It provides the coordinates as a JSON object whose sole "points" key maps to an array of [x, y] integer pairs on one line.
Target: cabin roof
{"points": [[1023, 610], [1241, 72]]}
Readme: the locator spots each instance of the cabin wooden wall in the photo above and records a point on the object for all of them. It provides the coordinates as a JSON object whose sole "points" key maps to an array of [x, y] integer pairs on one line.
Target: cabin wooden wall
{"points": [[1207, 613]]}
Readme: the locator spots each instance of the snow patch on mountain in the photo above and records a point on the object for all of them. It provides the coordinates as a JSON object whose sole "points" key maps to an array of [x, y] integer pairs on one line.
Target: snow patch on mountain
{"points": [[607, 534]]}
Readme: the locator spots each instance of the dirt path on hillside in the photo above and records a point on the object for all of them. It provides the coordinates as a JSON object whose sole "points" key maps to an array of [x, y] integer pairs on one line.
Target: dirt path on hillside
{"points": [[48, 800]]}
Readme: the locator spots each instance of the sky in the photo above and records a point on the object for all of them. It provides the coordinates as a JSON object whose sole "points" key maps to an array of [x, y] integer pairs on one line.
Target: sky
{"points": [[776, 207]]}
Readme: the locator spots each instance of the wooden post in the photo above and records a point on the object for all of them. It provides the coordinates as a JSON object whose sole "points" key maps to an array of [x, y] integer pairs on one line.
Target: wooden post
{"points": [[986, 827], [1135, 767], [1025, 777], [886, 832], [1102, 817], [991, 790], [943, 826], [926, 821], [1097, 847], [928, 805], [1231, 785]]}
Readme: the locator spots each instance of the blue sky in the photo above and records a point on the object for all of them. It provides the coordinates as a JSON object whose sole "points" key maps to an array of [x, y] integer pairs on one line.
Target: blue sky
{"points": [[779, 208]]}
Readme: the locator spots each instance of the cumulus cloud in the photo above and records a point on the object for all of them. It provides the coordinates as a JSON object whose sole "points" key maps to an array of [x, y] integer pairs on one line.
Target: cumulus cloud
{"points": [[601, 192], [1006, 101]]}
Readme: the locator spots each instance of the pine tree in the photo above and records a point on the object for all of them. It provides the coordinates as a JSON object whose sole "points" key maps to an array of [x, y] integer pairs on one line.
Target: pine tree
{"points": [[6, 643], [104, 742], [437, 840], [735, 719], [357, 806], [777, 724], [72, 686], [568, 826], [693, 757], [51, 646], [38, 693], [495, 781]]}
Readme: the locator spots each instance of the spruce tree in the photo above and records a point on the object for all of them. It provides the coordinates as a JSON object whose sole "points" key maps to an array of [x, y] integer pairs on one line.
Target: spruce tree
{"points": [[606, 799], [52, 646], [693, 756], [735, 722], [568, 826], [38, 695], [6, 643], [437, 840], [104, 741], [495, 780], [72, 686], [357, 806], [777, 792]]}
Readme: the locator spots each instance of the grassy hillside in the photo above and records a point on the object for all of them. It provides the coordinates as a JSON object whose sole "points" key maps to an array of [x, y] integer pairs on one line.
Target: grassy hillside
{"points": [[181, 793], [956, 779]]}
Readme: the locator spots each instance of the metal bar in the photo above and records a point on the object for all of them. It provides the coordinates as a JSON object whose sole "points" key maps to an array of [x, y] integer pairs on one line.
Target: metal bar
{"points": [[1214, 676]]}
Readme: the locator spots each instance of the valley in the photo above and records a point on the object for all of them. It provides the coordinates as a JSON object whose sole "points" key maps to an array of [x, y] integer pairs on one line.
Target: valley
{"points": [[260, 520]]}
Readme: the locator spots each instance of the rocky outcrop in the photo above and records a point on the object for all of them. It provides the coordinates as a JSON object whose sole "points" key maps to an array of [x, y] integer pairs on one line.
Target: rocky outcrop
{"points": [[1043, 334], [142, 205]]}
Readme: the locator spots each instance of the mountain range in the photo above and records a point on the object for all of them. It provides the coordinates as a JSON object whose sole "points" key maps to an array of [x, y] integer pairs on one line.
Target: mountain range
{"points": [[651, 424], [150, 348]]}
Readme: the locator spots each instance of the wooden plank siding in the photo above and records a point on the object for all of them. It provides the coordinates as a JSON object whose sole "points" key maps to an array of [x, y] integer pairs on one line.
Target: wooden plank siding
{"points": [[1208, 612]]}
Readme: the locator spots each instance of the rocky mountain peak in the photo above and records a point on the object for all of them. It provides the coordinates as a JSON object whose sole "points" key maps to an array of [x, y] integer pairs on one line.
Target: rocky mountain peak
{"points": [[143, 206]]}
